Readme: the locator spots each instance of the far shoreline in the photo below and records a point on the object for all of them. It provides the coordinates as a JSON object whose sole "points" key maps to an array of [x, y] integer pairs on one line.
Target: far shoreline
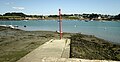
{"points": [[55, 20]]}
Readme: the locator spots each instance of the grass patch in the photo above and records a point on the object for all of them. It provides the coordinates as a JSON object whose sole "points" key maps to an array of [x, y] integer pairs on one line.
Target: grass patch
{"points": [[12, 56]]}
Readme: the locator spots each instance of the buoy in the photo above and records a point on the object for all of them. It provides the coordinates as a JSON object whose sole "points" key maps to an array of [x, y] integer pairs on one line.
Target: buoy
{"points": [[24, 25], [75, 26]]}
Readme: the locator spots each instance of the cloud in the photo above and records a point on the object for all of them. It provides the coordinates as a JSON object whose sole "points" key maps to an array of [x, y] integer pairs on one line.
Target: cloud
{"points": [[15, 11], [18, 8], [9, 3]]}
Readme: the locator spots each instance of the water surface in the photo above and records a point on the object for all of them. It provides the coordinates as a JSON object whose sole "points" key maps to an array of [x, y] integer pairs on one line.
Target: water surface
{"points": [[108, 30]]}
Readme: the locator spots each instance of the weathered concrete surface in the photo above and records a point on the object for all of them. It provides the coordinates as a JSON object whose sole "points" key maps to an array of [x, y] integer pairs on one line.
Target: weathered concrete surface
{"points": [[53, 48], [66, 51], [51, 59]]}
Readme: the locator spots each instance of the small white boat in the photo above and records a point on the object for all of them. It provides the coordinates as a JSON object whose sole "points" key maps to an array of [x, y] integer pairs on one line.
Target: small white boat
{"points": [[59, 32], [11, 26], [4, 25], [91, 20]]}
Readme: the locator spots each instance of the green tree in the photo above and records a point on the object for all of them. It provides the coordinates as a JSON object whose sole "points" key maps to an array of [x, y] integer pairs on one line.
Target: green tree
{"points": [[93, 16], [14, 14], [116, 17], [53, 16]]}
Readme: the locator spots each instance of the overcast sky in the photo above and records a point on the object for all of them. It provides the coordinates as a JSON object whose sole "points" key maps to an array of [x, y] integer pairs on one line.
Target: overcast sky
{"points": [[43, 7]]}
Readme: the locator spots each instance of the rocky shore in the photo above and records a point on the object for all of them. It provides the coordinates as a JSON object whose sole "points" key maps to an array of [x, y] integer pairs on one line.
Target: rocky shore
{"points": [[90, 47]]}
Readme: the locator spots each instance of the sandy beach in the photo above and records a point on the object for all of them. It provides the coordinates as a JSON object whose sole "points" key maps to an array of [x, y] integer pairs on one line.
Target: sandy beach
{"points": [[15, 43]]}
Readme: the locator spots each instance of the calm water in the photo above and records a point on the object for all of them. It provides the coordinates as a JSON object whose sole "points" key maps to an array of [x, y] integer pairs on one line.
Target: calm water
{"points": [[106, 30]]}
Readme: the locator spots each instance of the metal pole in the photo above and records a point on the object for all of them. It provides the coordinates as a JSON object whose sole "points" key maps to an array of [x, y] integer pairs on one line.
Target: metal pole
{"points": [[60, 24]]}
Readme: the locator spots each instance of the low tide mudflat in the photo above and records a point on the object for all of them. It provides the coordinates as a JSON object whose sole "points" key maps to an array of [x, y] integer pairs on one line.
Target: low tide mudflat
{"points": [[15, 43], [90, 47]]}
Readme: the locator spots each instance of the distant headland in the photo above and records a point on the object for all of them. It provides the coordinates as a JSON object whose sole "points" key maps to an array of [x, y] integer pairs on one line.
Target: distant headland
{"points": [[22, 16]]}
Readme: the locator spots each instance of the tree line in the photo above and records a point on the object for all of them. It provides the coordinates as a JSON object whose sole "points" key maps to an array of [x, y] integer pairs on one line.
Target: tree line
{"points": [[69, 16], [20, 14]]}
